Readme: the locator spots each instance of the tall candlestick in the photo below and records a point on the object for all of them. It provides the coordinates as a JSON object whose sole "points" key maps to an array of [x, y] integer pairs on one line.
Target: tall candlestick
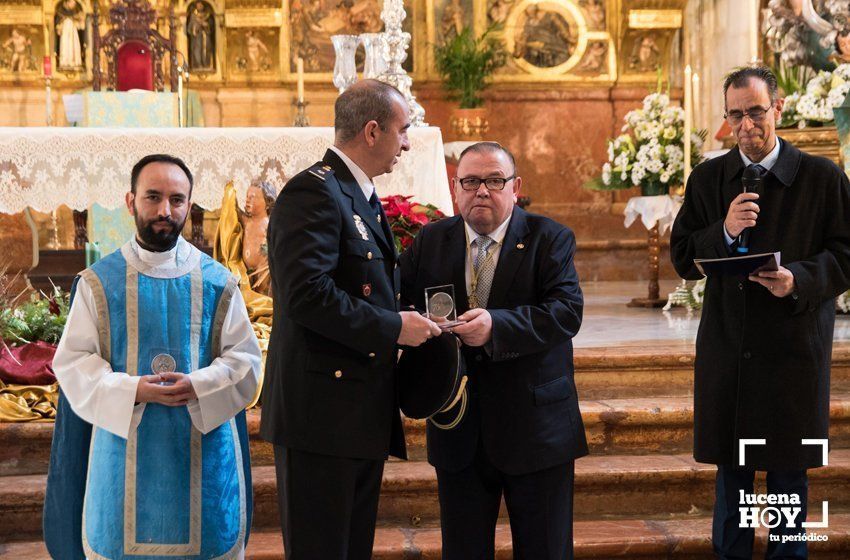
{"points": [[180, 96], [697, 109], [754, 33], [299, 63], [688, 117], [48, 73]]}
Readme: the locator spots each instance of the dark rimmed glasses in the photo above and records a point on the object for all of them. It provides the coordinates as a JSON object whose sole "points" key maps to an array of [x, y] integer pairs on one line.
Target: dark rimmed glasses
{"points": [[755, 114], [492, 183]]}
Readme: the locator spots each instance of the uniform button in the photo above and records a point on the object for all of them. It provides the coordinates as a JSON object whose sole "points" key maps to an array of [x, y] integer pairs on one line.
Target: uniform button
{"points": [[369, 255], [371, 354], [478, 358], [398, 296], [338, 373], [747, 355], [740, 286]]}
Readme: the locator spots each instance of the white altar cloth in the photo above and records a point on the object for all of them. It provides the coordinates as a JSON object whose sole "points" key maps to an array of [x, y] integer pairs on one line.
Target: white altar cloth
{"points": [[45, 167]]}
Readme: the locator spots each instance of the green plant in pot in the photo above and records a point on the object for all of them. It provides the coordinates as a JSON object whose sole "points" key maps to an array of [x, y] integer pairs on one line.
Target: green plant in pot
{"points": [[466, 63]]}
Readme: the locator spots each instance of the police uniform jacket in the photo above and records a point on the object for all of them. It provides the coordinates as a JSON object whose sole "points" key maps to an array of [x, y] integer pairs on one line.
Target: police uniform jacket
{"points": [[329, 382]]}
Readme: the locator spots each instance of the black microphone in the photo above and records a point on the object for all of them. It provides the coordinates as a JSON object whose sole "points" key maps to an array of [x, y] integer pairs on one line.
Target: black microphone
{"points": [[751, 179]]}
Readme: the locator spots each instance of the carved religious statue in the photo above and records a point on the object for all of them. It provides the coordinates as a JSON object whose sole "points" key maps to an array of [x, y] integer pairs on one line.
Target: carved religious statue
{"points": [[19, 45], [200, 28], [70, 25], [255, 51], [255, 223], [809, 34], [645, 55]]}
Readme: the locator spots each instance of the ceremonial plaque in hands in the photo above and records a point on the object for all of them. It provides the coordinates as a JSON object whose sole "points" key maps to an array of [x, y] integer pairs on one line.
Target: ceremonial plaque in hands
{"points": [[440, 306]]}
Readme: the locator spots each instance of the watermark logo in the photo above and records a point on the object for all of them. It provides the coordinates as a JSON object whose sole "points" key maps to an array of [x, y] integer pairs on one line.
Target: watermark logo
{"points": [[773, 510]]}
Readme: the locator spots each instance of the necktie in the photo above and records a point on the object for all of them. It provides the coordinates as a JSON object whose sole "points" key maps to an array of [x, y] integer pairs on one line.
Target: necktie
{"points": [[483, 270], [375, 203], [758, 169]]}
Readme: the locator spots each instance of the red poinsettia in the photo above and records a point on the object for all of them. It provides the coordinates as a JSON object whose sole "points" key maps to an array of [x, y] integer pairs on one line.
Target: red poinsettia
{"points": [[407, 218]]}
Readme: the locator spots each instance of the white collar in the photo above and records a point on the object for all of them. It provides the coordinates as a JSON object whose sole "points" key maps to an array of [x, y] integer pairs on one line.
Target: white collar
{"points": [[497, 235], [769, 160], [360, 176], [177, 261]]}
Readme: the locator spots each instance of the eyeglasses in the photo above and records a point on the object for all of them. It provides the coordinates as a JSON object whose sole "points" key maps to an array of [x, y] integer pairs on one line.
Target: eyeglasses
{"points": [[492, 183], [756, 114]]}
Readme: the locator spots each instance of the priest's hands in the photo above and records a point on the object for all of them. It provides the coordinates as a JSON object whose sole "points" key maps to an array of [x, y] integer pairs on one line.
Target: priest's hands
{"points": [[779, 282], [478, 328], [416, 329], [743, 213], [178, 393]]}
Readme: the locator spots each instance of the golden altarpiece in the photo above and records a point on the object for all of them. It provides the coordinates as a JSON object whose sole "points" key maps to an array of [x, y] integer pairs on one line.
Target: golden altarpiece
{"points": [[257, 42]]}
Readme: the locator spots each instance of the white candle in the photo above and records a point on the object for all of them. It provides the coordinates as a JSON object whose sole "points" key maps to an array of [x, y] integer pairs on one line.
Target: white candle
{"points": [[688, 117], [754, 33], [299, 63], [697, 109]]}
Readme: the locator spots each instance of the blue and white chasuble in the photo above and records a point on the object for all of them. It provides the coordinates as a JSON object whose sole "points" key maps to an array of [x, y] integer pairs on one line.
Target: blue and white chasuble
{"points": [[167, 490]]}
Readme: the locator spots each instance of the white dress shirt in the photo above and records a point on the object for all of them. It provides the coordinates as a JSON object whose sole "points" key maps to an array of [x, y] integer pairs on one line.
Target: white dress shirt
{"points": [[768, 162], [497, 235], [363, 181], [105, 398]]}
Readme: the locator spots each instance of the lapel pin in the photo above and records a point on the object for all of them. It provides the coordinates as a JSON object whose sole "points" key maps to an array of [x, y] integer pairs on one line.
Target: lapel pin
{"points": [[367, 290], [520, 245]]}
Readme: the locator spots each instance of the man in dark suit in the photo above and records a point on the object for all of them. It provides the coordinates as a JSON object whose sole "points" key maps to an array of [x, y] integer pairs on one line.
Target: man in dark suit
{"points": [[764, 346], [518, 292], [329, 401]]}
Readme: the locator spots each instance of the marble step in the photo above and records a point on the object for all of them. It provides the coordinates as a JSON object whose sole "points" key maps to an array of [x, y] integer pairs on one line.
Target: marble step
{"points": [[661, 369], [612, 426], [605, 486], [633, 539]]}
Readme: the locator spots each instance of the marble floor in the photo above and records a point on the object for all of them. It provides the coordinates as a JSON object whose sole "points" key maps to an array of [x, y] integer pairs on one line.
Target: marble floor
{"points": [[608, 322]]}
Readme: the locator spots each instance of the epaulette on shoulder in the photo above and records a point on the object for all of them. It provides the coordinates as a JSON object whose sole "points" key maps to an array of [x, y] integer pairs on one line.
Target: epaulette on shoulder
{"points": [[321, 171]]}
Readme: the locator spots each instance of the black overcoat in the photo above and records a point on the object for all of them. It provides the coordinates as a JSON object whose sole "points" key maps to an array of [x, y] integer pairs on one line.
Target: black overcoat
{"points": [[330, 373], [762, 362]]}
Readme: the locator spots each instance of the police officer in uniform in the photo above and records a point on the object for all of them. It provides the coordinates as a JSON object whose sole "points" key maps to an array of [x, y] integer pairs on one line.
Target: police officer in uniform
{"points": [[329, 401]]}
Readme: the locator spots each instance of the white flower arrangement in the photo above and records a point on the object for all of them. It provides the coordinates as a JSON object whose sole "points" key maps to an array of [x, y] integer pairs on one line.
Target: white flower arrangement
{"points": [[824, 92], [650, 148]]}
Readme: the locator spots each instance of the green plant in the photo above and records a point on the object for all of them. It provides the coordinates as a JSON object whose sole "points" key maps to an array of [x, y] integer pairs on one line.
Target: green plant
{"points": [[466, 63], [42, 317]]}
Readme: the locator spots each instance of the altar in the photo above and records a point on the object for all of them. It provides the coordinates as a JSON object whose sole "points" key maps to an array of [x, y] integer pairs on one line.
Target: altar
{"points": [[43, 168]]}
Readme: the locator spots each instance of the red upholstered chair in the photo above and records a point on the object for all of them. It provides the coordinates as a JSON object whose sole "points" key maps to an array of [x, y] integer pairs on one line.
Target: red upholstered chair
{"points": [[135, 67], [135, 51]]}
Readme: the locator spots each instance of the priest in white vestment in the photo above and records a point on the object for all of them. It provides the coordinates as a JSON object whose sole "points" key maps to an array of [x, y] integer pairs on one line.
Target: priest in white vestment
{"points": [[159, 357]]}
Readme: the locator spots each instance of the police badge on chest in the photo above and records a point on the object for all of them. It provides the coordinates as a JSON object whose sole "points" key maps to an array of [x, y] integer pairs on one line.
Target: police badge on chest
{"points": [[361, 227]]}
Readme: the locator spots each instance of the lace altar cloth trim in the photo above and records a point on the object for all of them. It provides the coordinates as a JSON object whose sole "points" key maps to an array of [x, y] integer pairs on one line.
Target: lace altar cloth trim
{"points": [[44, 168]]}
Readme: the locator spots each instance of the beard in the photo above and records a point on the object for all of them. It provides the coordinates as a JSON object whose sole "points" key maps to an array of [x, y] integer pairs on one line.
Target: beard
{"points": [[158, 241]]}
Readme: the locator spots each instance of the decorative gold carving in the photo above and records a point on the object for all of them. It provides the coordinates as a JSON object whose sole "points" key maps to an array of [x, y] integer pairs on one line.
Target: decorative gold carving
{"points": [[655, 19], [253, 18], [21, 49], [20, 15]]}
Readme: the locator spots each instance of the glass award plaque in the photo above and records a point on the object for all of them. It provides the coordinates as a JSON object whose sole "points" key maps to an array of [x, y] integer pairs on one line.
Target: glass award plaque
{"points": [[440, 306]]}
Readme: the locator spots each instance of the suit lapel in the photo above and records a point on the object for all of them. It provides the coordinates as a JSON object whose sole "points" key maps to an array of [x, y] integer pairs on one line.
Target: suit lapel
{"points": [[349, 187], [510, 256]]}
